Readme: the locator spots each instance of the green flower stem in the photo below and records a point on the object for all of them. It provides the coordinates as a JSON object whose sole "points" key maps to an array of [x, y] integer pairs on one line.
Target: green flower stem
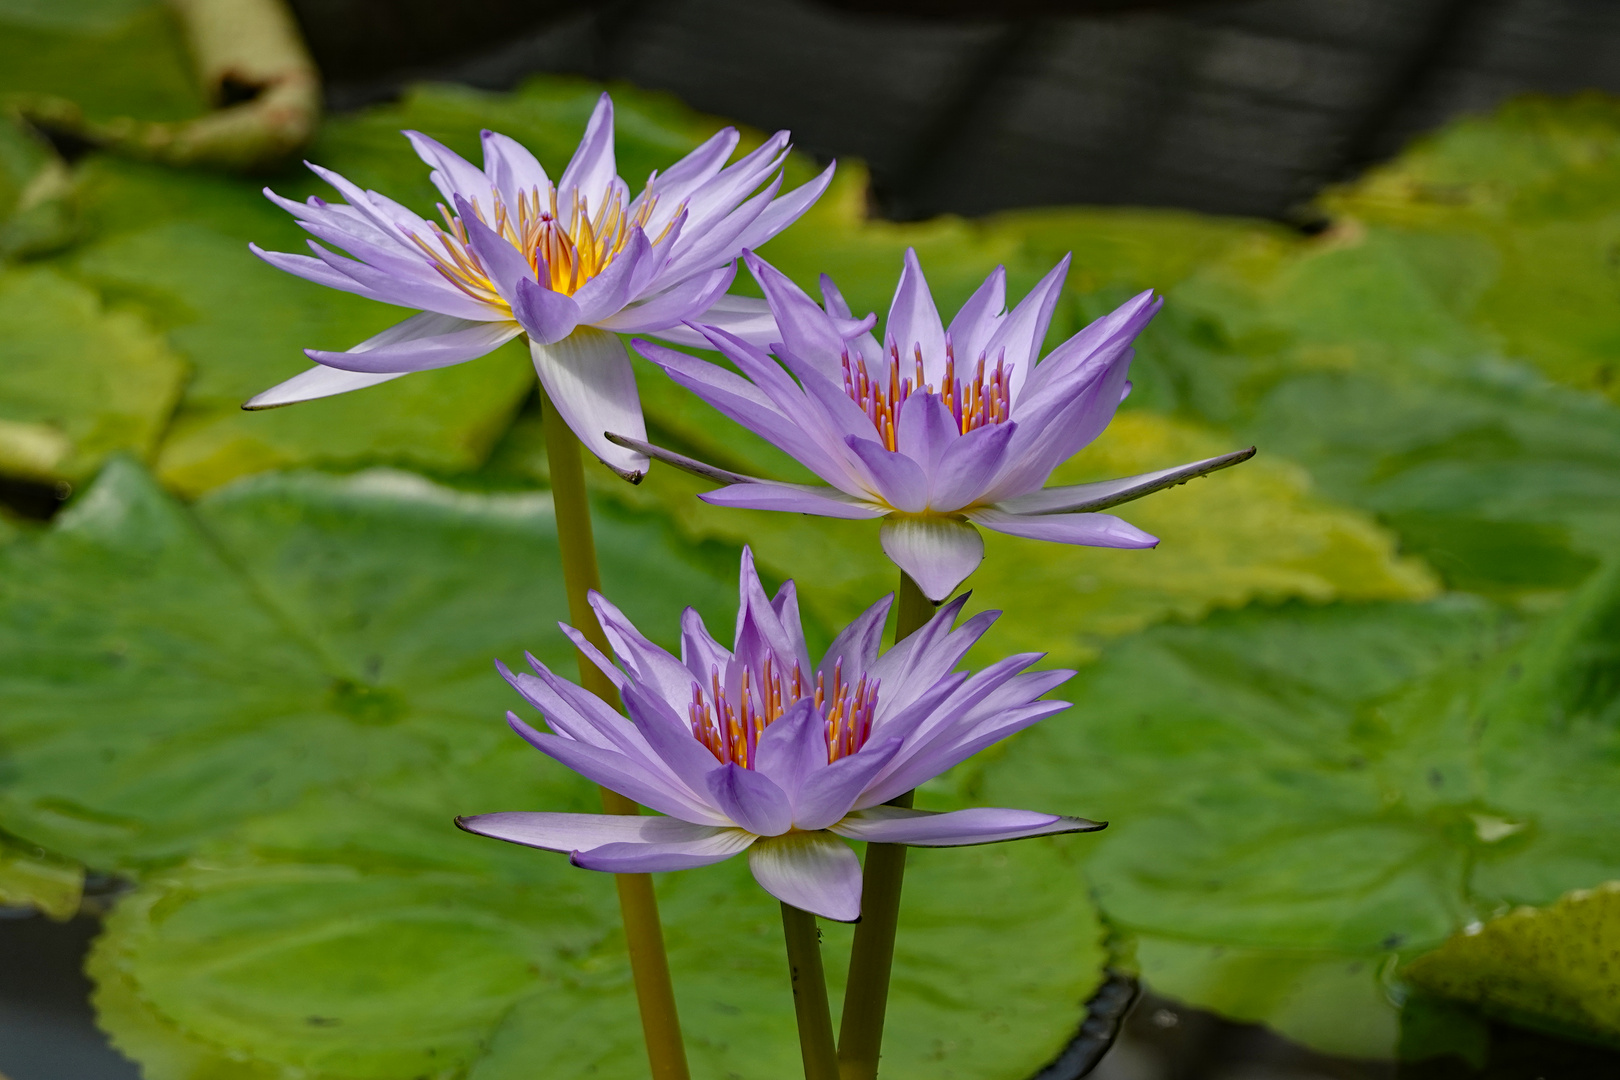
{"points": [[644, 937], [866, 995], [809, 994]]}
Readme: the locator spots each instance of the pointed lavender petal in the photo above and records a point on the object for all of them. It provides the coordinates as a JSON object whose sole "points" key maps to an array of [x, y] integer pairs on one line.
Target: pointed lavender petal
{"points": [[422, 342], [513, 170], [897, 479], [958, 828], [659, 856], [1087, 530], [318, 382], [796, 499], [576, 832], [828, 793], [978, 318], [914, 321], [750, 800], [1018, 337], [1086, 498], [591, 171]]}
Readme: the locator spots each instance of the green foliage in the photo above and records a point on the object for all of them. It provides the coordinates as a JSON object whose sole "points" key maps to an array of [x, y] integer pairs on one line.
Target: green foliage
{"points": [[1316, 791], [113, 58], [77, 381], [1557, 966], [30, 876], [367, 939], [265, 705], [169, 672]]}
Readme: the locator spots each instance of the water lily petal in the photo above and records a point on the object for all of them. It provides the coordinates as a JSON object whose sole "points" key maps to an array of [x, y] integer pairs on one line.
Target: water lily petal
{"points": [[546, 316], [422, 342], [792, 749], [956, 828], [795, 498], [505, 264], [969, 465], [1078, 498], [938, 553], [914, 321], [591, 171], [977, 319], [751, 800], [1090, 530], [807, 331], [855, 649], [666, 312], [813, 871], [318, 382], [827, 794], [786, 210], [897, 479], [622, 774], [1018, 337], [576, 832], [588, 379], [658, 856], [608, 292], [515, 172], [452, 174]]}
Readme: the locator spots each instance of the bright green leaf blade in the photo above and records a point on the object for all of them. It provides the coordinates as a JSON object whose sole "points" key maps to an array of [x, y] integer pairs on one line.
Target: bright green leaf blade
{"points": [[168, 673], [1556, 967], [77, 381]]}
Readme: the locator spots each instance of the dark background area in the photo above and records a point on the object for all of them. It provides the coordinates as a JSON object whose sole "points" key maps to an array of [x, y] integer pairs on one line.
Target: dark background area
{"points": [[1225, 107], [1241, 107]]}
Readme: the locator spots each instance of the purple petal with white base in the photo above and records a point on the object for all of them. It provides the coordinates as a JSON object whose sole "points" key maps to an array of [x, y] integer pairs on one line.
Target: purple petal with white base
{"points": [[937, 552]]}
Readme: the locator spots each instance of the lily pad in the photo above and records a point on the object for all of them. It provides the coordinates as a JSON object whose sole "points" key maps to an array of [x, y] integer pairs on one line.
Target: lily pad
{"points": [[1557, 966], [1319, 788], [368, 939], [169, 672], [77, 381], [1346, 355]]}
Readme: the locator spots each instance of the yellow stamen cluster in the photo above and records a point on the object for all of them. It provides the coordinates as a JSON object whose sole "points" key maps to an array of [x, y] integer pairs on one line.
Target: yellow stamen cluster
{"points": [[563, 257], [732, 734], [972, 405]]}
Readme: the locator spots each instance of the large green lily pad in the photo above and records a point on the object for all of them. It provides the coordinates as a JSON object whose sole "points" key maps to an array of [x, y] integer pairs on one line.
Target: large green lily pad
{"points": [[169, 672], [353, 939], [1557, 966], [1324, 789]]}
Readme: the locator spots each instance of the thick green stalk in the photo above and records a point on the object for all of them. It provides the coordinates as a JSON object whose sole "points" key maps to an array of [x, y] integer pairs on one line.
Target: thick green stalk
{"points": [[649, 965], [866, 995], [809, 994]]}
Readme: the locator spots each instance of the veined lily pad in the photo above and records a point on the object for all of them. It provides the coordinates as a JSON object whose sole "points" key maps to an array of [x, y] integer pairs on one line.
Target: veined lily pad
{"points": [[169, 672]]}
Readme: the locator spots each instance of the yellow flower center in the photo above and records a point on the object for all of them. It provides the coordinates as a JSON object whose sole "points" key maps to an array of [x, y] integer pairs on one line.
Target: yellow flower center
{"points": [[561, 257], [972, 404], [732, 733]]}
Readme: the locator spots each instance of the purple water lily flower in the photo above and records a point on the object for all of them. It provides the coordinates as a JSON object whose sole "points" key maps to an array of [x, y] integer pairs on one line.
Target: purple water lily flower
{"points": [[570, 263], [937, 431], [755, 749]]}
